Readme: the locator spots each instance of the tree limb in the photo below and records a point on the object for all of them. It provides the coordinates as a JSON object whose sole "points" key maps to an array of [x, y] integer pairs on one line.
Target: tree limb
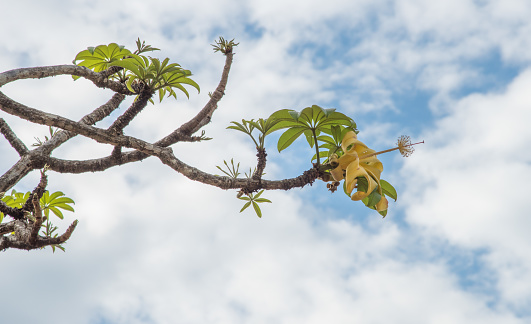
{"points": [[36, 158], [12, 138], [7, 227], [98, 78]]}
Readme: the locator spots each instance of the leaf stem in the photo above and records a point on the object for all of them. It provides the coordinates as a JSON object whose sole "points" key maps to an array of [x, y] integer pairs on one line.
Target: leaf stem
{"points": [[316, 147], [389, 150]]}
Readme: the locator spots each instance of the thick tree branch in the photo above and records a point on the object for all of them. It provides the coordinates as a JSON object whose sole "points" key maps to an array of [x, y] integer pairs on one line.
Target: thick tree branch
{"points": [[204, 116], [16, 172], [261, 155], [38, 157], [22, 234], [97, 134], [38, 219], [140, 103], [37, 192], [12, 138], [98, 78], [16, 213], [6, 228], [182, 134], [164, 154], [90, 119], [26, 231]]}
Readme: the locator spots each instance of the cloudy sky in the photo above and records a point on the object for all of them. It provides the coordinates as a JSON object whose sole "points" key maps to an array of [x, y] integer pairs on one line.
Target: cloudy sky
{"points": [[155, 247]]}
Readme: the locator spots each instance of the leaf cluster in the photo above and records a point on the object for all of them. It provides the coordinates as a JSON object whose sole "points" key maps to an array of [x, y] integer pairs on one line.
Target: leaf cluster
{"points": [[224, 46], [232, 172], [138, 72], [324, 130], [55, 203], [263, 126], [312, 122], [49, 202], [254, 199]]}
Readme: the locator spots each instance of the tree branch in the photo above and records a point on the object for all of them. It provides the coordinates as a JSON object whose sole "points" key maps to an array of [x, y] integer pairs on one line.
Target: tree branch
{"points": [[36, 158], [16, 213], [204, 116], [7, 228], [12, 138], [97, 134], [261, 164], [182, 134], [140, 103], [90, 119], [98, 78], [37, 192], [21, 238], [38, 219]]}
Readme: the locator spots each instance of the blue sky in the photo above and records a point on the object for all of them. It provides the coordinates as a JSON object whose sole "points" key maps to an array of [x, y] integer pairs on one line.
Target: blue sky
{"points": [[454, 248]]}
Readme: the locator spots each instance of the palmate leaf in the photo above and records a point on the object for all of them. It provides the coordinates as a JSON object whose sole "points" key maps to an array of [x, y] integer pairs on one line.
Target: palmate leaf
{"points": [[54, 202], [157, 75], [49, 202], [254, 200], [135, 64], [101, 57], [313, 120], [265, 126], [245, 127]]}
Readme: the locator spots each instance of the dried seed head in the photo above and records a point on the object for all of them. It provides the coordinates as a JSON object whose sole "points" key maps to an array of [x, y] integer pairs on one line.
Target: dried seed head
{"points": [[404, 146]]}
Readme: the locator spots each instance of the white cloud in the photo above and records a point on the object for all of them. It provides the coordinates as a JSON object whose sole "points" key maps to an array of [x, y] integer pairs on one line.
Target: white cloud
{"points": [[153, 246], [468, 182]]}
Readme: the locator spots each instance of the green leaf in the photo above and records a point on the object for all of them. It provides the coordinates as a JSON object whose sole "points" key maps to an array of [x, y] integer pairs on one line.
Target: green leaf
{"points": [[247, 204], [257, 209], [288, 137], [98, 58], [185, 80], [372, 199], [65, 207], [327, 139], [328, 111], [259, 194], [309, 137], [362, 183], [60, 201], [57, 212], [183, 89], [322, 154], [388, 189], [262, 200], [294, 114], [336, 133]]}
